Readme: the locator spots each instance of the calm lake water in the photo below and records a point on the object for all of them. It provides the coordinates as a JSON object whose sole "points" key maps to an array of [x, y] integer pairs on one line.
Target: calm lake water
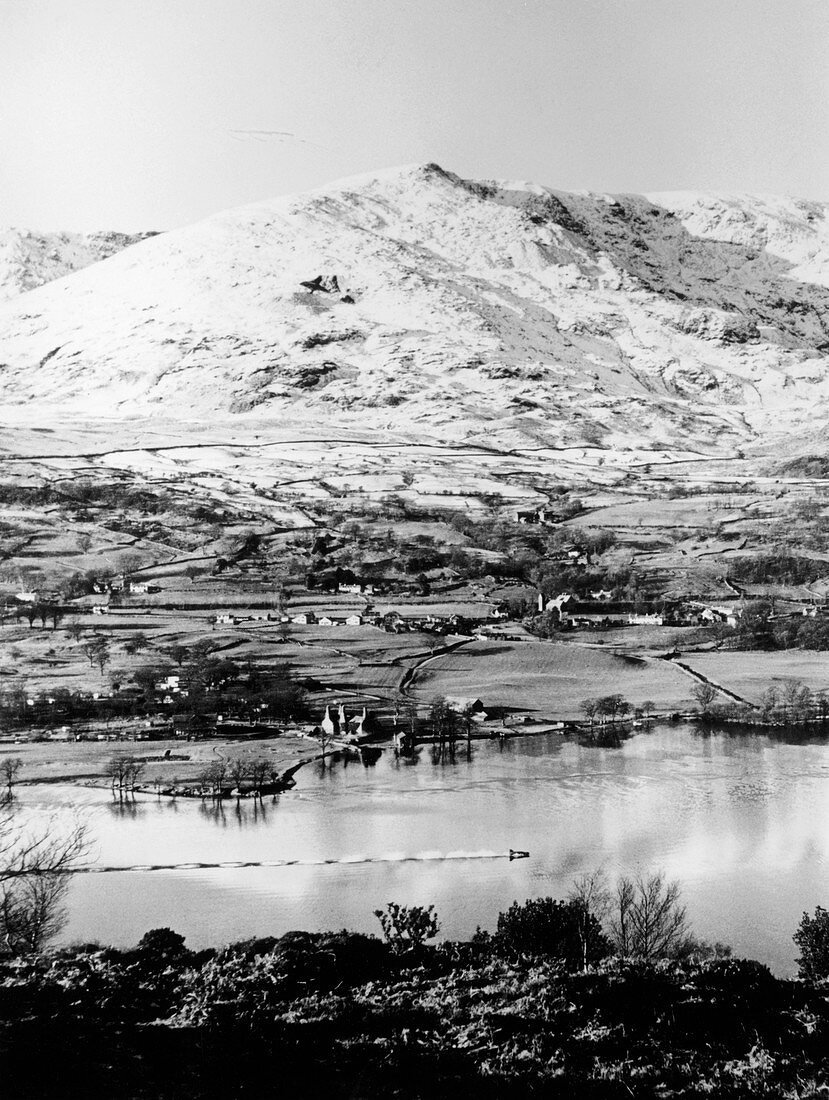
{"points": [[741, 820]]}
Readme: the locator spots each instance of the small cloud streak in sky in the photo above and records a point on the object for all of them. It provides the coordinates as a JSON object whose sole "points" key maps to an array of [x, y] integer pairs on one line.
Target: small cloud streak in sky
{"points": [[271, 135]]}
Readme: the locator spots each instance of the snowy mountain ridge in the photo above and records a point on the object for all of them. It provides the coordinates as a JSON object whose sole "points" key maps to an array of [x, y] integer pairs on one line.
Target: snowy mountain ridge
{"points": [[29, 259], [463, 309]]}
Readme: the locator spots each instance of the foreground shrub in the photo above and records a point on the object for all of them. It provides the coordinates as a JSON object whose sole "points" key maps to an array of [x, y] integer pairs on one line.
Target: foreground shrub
{"points": [[248, 987], [565, 930], [407, 927], [812, 937]]}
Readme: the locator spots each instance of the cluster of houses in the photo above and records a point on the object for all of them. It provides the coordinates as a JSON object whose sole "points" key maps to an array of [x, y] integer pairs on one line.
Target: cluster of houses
{"points": [[541, 515], [601, 610], [391, 621], [124, 586]]}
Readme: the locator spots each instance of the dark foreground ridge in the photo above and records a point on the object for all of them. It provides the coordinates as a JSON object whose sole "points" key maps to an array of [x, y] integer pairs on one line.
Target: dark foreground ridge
{"points": [[347, 1015]]}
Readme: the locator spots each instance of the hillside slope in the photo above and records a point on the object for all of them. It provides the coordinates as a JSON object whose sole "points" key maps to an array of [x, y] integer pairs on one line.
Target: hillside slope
{"points": [[505, 311], [29, 259]]}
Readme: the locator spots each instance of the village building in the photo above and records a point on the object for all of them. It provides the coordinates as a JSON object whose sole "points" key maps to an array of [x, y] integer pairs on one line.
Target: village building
{"points": [[468, 705], [533, 515], [336, 724]]}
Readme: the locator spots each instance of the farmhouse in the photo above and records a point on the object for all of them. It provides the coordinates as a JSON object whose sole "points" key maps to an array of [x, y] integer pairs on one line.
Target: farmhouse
{"points": [[140, 588], [468, 705], [533, 515], [305, 618]]}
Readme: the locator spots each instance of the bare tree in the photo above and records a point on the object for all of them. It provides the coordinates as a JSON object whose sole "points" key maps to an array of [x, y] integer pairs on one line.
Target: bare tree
{"points": [[214, 776], [591, 894], [9, 769], [261, 772], [34, 875], [97, 651], [705, 694], [647, 920], [589, 708], [238, 769]]}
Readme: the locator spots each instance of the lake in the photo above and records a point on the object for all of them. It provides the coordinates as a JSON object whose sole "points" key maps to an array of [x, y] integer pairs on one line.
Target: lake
{"points": [[742, 820]]}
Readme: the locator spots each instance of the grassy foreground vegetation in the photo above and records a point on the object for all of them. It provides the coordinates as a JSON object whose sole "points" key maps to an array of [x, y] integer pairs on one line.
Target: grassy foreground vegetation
{"points": [[554, 1003]]}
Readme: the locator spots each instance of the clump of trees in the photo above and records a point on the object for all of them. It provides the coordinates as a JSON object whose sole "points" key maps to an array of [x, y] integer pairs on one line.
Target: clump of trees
{"points": [[239, 776], [791, 703], [640, 917], [605, 708], [124, 772], [776, 568]]}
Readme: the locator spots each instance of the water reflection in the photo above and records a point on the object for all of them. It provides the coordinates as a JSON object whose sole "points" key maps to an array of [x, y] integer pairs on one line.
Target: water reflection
{"points": [[741, 820], [126, 808]]}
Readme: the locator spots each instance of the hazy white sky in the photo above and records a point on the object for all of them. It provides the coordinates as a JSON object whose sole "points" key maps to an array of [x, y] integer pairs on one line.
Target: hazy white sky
{"points": [[138, 113]]}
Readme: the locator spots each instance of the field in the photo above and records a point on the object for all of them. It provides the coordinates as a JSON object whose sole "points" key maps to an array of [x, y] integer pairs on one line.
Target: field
{"points": [[750, 674], [549, 680], [181, 504], [85, 761]]}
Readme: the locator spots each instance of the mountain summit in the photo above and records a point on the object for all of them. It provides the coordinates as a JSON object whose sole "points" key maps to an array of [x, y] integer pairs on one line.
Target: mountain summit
{"points": [[415, 299]]}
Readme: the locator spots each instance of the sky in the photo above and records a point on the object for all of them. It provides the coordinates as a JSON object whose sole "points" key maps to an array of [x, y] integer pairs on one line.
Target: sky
{"points": [[148, 114]]}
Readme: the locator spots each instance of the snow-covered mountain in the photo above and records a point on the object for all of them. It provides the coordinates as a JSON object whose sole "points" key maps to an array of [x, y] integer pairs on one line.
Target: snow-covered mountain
{"points": [[459, 308], [29, 259]]}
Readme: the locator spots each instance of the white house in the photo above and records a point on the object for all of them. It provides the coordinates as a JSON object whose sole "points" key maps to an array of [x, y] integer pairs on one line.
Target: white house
{"points": [[226, 618], [354, 620], [325, 620], [555, 603]]}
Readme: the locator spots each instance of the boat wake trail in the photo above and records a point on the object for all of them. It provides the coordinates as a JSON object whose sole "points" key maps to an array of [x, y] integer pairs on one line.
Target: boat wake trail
{"points": [[235, 864]]}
